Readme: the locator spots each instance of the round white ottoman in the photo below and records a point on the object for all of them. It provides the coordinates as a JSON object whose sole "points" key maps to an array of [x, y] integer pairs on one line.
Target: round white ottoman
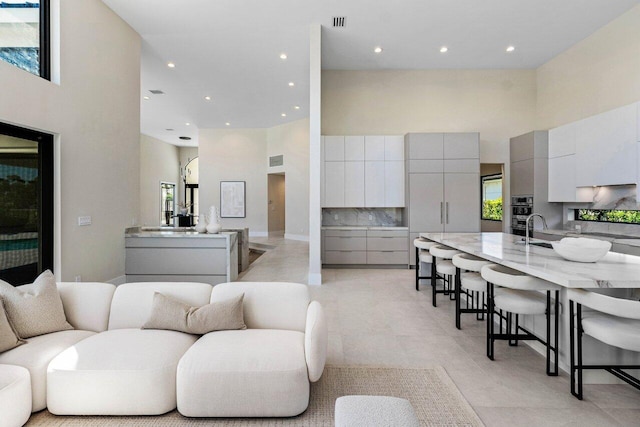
{"points": [[15, 395], [373, 411]]}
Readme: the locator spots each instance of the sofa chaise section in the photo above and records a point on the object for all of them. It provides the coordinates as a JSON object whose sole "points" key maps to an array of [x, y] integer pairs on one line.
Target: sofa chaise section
{"points": [[125, 370], [263, 371]]}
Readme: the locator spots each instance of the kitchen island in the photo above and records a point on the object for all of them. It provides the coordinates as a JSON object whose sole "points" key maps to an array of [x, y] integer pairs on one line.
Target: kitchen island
{"points": [[180, 256], [615, 274], [615, 270]]}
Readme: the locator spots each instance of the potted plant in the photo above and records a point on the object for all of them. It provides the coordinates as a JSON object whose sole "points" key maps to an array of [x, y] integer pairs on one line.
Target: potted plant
{"points": [[184, 207]]}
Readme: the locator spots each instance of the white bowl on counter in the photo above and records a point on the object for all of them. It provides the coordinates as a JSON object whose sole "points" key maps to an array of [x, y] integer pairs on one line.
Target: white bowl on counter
{"points": [[581, 249]]}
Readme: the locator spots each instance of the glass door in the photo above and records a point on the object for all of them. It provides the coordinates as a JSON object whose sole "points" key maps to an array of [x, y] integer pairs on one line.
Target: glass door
{"points": [[167, 203]]}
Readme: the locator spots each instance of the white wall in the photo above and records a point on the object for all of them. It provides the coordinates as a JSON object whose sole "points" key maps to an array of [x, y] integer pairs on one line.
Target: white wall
{"points": [[292, 141], [158, 162], [600, 73], [235, 155], [95, 114]]}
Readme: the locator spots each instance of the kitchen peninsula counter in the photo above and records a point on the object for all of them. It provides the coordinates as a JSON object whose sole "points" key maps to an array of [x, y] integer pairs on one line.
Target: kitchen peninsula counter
{"points": [[615, 270], [180, 255]]}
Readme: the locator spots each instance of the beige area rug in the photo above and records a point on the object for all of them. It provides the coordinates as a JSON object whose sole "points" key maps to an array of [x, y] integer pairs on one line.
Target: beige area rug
{"points": [[432, 393]]}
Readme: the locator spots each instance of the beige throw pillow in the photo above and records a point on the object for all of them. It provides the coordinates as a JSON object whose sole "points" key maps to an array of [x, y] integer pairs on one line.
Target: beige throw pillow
{"points": [[172, 314], [8, 337], [35, 309]]}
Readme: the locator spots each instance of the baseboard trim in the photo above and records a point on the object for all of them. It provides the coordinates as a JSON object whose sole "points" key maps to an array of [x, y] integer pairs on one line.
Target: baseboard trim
{"points": [[300, 237]]}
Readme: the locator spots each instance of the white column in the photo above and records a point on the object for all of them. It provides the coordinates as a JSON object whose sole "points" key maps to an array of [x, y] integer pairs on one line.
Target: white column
{"points": [[315, 213]]}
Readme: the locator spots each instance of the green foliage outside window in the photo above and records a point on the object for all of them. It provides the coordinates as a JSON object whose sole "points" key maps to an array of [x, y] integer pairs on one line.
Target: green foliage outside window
{"points": [[626, 217], [492, 209]]}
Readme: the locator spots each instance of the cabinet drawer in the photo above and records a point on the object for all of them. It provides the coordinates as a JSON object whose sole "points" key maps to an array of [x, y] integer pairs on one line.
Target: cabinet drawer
{"points": [[387, 243], [387, 233], [345, 257], [387, 257], [345, 233], [345, 243]]}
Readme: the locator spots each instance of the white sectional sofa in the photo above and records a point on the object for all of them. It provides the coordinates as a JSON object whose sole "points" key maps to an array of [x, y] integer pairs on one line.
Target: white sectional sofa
{"points": [[108, 365]]}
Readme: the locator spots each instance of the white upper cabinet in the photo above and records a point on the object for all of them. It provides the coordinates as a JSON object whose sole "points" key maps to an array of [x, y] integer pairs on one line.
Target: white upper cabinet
{"points": [[373, 148], [353, 184], [353, 148], [374, 184], [562, 179], [461, 145], [334, 184], [606, 148], [334, 148], [394, 183], [562, 140], [424, 146], [394, 148]]}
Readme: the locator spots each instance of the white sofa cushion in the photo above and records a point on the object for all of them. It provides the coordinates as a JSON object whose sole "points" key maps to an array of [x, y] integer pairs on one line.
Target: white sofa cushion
{"points": [[250, 373], [316, 339], [269, 305], [87, 304], [117, 372], [132, 302], [36, 355], [15, 396]]}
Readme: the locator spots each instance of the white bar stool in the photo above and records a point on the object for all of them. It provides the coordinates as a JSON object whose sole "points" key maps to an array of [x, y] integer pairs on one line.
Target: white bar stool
{"points": [[422, 248], [614, 321], [442, 268], [473, 284], [521, 296]]}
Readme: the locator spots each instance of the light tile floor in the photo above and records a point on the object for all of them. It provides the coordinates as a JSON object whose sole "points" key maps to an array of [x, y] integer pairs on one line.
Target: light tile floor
{"points": [[376, 317]]}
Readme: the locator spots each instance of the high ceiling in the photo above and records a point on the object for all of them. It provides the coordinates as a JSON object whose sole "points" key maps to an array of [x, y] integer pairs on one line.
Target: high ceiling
{"points": [[230, 50]]}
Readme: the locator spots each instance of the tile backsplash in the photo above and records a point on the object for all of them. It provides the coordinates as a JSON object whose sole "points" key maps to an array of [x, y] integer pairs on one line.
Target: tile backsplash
{"points": [[377, 217], [622, 197]]}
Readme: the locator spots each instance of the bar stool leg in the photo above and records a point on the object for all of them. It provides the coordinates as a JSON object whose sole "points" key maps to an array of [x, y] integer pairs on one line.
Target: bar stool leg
{"points": [[434, 281], [458, 285], [572, 349], [557, 324], [490, 325], [417, 269], [580, 331]]}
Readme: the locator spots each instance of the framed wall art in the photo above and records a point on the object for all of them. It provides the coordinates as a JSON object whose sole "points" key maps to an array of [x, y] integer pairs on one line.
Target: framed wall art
{"points": [[232, 199]]}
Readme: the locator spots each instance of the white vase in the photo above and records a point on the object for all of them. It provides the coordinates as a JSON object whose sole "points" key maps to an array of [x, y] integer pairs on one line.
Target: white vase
{"points": [[214, 228], [201, 226]]}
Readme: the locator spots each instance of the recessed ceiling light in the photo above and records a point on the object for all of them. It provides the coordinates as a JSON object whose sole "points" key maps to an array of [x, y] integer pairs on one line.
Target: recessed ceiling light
{"points": [[227, 124], [292, 84], [170, 130], [146, 97], [284, 114], [171, 65], [188, 124], [207, 98], [296, 107], [444, 49], [283, 56], [510, 49], [378, 49]]}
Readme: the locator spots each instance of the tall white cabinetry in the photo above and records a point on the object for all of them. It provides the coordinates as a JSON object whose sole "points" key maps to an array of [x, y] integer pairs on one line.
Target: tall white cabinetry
{"points": [[443, 183], [363, 171]]}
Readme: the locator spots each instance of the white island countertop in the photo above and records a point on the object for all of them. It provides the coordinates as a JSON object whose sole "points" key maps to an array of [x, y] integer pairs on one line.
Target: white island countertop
{"points": [[615, 270]]}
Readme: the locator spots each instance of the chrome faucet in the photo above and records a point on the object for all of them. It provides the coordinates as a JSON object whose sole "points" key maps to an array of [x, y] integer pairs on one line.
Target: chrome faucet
{"points": [[529, 218]]}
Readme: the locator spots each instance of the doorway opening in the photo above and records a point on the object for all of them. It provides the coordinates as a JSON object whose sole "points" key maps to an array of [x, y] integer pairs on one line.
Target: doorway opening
{"points": [[492, 190], [276, 204]]}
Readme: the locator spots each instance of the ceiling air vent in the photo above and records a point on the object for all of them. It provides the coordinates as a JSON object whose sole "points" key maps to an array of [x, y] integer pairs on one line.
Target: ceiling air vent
{"points": [[185, 138], [276, 161], [339, 21], [156, 92]]}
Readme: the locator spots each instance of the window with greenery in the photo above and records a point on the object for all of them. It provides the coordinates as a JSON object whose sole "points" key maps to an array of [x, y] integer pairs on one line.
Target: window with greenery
{"points": [[492, 197], [626, 217], [24, 35], [26, 204]]}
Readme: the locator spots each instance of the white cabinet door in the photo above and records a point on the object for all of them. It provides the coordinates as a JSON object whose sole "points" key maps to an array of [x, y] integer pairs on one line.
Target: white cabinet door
{"points": [[394, 184], [334, 184], [426, 202], [562, 140], [606, 148], [373, 147], [334, 148], [462, 145], [562, 179], [462, 202], [353, 184], [323, 173], [393, 148], [374, 184], [425, 146], [353, 148]]}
